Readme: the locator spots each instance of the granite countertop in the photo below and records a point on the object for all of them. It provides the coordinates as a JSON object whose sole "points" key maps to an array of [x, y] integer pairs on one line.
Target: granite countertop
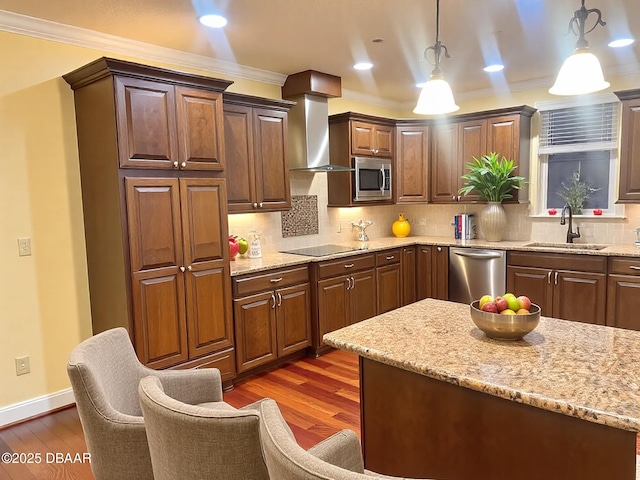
{"points": [[271, 260], [586, 371]]}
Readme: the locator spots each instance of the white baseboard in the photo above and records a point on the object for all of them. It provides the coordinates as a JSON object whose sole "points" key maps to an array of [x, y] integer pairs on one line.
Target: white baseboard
{"points": [[35, 406]]}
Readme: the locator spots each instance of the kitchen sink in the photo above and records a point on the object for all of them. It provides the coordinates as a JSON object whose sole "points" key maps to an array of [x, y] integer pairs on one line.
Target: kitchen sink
{"points": [[567, 246]]}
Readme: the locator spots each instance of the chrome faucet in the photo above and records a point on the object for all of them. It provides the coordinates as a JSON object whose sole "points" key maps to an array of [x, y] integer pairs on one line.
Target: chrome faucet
{"points": [[570, 234]]}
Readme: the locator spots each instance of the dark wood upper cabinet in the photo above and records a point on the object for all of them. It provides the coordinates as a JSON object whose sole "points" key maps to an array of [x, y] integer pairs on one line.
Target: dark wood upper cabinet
{"points": [[412, 164], [257, 156], [629, 187], [445, 164], [371, 140]]}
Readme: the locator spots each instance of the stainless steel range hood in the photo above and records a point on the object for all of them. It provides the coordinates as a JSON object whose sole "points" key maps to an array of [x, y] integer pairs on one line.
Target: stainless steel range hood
{"points": [[309, 120]]}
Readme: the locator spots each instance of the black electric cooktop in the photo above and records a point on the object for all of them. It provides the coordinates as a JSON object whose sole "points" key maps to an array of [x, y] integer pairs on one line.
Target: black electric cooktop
{"points": [[321, 250]]}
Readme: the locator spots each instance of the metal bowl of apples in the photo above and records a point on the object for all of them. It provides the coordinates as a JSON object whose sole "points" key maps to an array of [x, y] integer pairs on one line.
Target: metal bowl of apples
{"points": [[498, 321]]}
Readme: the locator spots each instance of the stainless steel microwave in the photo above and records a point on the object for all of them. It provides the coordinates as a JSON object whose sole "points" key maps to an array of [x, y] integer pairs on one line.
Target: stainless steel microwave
{"points": [[372, 179]]}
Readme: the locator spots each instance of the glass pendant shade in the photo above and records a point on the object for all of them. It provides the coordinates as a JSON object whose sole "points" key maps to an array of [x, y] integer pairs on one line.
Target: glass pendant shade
{"points": [[581, 73], [436, 98]]}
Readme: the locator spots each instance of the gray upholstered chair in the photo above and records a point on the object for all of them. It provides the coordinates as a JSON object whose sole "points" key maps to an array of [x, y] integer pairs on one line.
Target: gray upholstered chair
{"points": [[339, 457], [105, 374], [189, 442]]}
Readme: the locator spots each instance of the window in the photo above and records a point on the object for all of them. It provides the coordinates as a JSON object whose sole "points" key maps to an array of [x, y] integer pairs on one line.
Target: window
{"points": [[578, 152]]}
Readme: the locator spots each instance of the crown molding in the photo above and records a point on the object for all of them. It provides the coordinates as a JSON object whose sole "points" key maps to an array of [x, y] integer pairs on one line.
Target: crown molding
{"points": [[369, 99], [82, 37]]}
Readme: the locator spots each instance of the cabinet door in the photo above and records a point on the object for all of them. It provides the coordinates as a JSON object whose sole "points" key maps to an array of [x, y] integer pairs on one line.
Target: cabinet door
{"points": [[240, 165], [580, 296], [362, 139], [200, 129], [293, 313], [408, 275], [444, 163], [412, 162], [333, 304], [473, 143], [160, 325], [440, 273], [623, 301], [504, 137], [363, 296], [146, 123], [255, 328], [389, 293], [271, 160], [208, 284], [383, 141], [630, 152], [424, 284], [535, 283]]}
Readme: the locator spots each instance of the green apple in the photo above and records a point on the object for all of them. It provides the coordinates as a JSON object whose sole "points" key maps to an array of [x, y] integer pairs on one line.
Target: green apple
{"points": [[512, 301], [484, 299], [244, 245]]}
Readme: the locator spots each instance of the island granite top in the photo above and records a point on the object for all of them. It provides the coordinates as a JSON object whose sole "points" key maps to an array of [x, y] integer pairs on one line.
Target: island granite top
{"points": [[591, 372]]}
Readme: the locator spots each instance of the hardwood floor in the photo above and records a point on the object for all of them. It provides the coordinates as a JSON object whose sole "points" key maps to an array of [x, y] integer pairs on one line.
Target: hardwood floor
{"points": [[318, 397]]}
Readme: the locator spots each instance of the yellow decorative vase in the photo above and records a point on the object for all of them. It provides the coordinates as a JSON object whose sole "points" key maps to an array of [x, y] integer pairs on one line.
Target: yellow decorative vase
{"points": [[401, 227]]}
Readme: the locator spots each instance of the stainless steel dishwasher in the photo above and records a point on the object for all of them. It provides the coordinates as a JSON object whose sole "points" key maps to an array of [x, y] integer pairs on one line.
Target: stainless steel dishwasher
{"points": [[474, 272]]}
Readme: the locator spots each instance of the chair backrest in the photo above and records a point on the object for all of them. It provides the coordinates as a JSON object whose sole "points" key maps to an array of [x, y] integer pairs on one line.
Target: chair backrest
{"points": [[286, 460], [189, 442], [104, 373]]}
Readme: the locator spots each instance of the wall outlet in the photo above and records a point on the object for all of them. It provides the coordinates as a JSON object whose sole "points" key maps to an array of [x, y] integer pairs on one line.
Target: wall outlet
{"points": [[422, 221], [24, 246], [22, 365]]}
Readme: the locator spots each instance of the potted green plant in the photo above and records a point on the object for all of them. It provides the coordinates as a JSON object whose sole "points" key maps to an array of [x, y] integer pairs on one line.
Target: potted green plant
{"points": [[493, 179], [577, 192]]}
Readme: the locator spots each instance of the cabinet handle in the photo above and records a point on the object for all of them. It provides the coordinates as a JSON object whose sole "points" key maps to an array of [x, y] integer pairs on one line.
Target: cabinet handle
{"points": [[633, 267], [260, 204], [349, 265], [255, 205], [555, 279], [408, 251], [391, 257], [182, 269], [348, 283], [439, 249], [549, 276], [183, 164], [453, 197], [189, 268], [175, 164], [353, 283], [276, 280], [273, 301], [374, 151], [279, 299]]}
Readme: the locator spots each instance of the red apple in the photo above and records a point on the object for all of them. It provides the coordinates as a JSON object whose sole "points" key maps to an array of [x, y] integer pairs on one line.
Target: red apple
{"points": [[597, 211], [524, 302], [233, 248], [552, 211], [501, 303], [490, 307]]}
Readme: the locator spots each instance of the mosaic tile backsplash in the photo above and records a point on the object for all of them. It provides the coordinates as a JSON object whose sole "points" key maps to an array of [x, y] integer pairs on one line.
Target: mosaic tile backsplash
{"points": [[302, 219]]}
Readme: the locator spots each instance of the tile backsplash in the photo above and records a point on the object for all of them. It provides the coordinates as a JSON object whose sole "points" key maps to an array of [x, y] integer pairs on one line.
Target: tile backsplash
{"points": [[334, 224]]}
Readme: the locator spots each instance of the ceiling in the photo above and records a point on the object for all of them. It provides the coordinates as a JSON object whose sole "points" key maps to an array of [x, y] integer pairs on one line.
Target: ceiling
{"points": [[288, 36]]}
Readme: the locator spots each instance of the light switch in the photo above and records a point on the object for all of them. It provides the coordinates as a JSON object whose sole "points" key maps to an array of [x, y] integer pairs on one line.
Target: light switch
{"points": [[24, 246]]}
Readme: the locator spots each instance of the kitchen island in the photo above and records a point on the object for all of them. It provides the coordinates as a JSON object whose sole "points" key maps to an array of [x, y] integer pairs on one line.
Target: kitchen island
{"points": [[439, 399]]}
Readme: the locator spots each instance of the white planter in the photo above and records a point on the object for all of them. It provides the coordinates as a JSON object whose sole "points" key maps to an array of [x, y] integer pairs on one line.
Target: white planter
{"points": [[493, 221]]}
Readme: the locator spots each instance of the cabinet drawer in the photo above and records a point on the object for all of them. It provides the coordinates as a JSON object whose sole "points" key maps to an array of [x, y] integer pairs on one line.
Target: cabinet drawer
{"points": [[249, 284], [388, 257], [624, 265], [224, 361], [334, 268], [558, 261]]}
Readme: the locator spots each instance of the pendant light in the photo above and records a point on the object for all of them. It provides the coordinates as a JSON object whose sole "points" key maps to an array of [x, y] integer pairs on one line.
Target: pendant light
{"points": [[581, 72], [436, 96]]}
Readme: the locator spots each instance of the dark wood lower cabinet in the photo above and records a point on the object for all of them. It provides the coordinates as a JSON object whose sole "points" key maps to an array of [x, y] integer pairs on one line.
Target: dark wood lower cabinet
{"points": [[388, 280], [409, 271], [623, 293], [432, 272], [553, 282]]}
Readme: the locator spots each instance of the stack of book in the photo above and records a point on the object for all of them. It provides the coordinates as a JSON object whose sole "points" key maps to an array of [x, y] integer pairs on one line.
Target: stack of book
{"points": [[465, 226]]}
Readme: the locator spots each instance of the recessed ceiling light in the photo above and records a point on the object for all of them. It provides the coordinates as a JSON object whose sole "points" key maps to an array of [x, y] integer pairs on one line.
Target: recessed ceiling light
{"points": [[363, 66], [213, 21], [621, 42], [493, 68]]}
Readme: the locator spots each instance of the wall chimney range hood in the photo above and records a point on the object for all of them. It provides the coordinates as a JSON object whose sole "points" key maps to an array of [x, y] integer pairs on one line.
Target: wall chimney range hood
{"points": [[309, 120]]}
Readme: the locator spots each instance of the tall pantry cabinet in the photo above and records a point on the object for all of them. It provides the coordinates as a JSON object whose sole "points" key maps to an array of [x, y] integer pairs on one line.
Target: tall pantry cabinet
{"points": [[151, 147]]}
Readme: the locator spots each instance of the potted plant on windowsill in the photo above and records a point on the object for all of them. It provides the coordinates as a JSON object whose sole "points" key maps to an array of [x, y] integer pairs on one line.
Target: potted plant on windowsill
{"points": [[493, 179]]}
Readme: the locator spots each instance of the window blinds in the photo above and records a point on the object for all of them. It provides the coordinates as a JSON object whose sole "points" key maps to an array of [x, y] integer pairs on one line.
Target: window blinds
{"points": [[578, 129]]}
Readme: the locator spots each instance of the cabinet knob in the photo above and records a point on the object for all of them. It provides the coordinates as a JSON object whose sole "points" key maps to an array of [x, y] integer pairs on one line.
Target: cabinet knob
{"points": [[182, 268], [260, 204], [255, 205], [439, 249], [453, 198], [175, 164], [374, 151], [183, 164], [189, 268]]}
